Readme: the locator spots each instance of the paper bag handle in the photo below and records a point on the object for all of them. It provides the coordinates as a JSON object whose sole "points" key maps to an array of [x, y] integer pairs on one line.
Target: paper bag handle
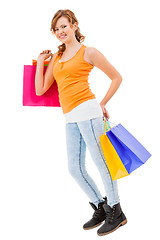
{"points": [[106, 125]]}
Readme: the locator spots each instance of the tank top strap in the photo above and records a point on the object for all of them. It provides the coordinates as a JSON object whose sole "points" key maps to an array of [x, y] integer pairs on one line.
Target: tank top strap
{"points": [[81, 52]]}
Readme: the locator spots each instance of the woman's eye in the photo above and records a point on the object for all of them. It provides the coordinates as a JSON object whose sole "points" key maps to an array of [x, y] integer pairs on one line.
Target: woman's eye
{"points": [[62, 27]]}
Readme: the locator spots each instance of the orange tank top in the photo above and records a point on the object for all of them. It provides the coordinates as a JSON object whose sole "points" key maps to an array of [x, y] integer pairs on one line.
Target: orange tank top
{"points": [[72, 80]]}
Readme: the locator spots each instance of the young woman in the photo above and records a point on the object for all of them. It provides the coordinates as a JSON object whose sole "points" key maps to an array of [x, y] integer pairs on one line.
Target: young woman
{"points": [[70, 67]]}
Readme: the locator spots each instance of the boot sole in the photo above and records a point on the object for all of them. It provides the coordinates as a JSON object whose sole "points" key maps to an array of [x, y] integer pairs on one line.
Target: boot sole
{"points": [[121, 224], [94, 226]]}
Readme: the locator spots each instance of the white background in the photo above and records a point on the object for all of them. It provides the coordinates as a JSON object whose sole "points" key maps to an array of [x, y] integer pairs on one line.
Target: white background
{"points": [[38, 197]]}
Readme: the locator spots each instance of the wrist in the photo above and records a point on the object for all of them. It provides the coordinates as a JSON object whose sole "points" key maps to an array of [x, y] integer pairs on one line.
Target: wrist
{"points": [[40, 59], [102, 104]]}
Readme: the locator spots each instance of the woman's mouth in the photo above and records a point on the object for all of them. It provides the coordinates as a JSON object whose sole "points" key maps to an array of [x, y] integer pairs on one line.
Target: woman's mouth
{"points": [[62, 36]]}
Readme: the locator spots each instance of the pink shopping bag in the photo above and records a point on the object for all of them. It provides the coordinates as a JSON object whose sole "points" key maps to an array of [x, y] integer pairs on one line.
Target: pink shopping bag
{"points": [[50, 98]]}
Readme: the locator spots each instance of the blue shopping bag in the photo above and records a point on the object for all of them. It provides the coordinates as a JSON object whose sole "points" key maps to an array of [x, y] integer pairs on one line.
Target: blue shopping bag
{"points": [[131, 152]]}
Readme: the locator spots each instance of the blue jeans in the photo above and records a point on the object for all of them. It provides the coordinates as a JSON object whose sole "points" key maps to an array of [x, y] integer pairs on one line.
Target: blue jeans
{"points": [[78, 136]]}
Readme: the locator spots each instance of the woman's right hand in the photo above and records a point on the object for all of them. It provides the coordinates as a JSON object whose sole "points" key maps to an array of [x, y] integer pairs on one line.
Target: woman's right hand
{"points": [[44, 55]]}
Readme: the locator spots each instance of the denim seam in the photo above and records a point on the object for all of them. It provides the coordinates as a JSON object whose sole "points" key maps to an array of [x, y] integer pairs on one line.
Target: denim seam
{"points": [[82, 171], [102, 155]]}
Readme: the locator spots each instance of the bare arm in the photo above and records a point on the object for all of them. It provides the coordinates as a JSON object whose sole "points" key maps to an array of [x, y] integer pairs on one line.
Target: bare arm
{"points": [[98, 60], [44, 82]]}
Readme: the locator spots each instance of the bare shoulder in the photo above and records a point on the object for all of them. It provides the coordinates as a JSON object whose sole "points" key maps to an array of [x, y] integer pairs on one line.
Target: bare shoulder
{"points": [[54, 55], [100, 61], [50, 64], [91, 50], [91, 53]]}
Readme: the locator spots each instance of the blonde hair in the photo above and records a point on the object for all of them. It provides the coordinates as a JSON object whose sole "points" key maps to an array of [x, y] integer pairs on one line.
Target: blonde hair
{"points": [[72, 19]]}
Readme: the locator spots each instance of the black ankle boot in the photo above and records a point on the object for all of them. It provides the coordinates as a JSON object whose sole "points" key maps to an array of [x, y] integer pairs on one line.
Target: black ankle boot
{"points": [[114, 219], [98, 217]]}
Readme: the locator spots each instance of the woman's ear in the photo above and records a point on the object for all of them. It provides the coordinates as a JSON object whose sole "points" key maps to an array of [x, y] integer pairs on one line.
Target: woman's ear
{"points": [[75, 25]]}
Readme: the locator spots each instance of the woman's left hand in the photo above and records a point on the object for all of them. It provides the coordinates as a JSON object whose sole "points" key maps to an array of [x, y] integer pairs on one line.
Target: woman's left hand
{"points": [[105, 112]]}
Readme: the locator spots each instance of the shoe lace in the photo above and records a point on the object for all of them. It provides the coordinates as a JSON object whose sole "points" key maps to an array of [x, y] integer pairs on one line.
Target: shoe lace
{"points": [[98, 212], [110, 215]]}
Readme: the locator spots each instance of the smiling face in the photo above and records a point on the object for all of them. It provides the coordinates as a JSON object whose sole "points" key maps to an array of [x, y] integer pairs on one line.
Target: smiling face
{"points": [[64, 30]]}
